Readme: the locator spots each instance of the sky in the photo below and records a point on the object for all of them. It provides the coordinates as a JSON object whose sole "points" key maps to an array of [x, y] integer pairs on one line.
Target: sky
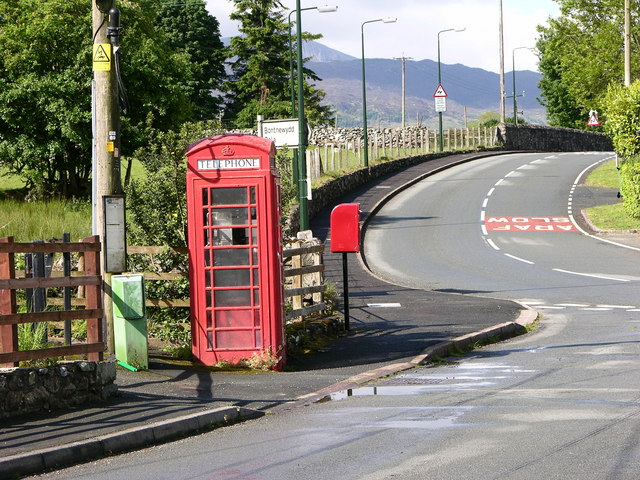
{"points": [[415, 34]]}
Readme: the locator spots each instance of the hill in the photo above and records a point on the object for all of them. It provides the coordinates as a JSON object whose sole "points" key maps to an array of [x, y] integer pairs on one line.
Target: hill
{"points": [[477, 89]]}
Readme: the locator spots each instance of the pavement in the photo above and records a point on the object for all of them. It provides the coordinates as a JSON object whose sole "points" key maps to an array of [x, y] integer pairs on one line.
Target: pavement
{"points": [[391, 329]]}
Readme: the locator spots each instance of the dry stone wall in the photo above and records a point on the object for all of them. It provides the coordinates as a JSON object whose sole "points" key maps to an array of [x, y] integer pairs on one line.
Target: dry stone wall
{"points": [[66, 385], [552, 139]]}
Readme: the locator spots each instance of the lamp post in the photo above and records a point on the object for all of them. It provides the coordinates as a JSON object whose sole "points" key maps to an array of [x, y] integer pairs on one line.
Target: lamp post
{"points": [[323, 9], [297, 160], [513, 74], [364, 90], [440, 143], [501, 55]]}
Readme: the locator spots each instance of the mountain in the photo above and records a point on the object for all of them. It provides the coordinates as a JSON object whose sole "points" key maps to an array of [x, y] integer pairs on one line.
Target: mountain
{"points": [[321, 53], [476, 89]]}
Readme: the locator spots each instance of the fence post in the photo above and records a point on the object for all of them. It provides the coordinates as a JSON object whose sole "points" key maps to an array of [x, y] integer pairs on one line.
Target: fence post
{"points": [[93, 298], [66, 258], [8, 333], [325, 166], [296, 262]]}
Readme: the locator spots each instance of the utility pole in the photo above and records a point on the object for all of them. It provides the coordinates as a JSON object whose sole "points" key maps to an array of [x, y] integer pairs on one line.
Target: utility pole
{"points": [[404, 59], [627, 44], [106, 142], [501, 46]]}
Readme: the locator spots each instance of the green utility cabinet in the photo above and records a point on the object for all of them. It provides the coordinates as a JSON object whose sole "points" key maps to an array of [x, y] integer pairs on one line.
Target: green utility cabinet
{"points": [[130, 321]]}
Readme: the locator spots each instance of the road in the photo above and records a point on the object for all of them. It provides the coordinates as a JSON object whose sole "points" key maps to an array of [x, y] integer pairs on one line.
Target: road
{"points": [[559, 403], [501, 228]]}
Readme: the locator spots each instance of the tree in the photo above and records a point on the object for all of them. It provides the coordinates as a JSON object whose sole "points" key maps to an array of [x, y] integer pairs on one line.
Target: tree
{"points": [[191, 30], [581, 53], [45, 89], [259, 82]]}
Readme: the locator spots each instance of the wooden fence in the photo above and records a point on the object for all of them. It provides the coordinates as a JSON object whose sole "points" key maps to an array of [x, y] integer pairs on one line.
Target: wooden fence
{"points": [[90, 279], [303, 268], [303, 278]]}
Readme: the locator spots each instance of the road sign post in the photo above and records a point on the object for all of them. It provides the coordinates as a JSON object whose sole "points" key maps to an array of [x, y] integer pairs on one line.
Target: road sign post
{"points": [[440, 96]]}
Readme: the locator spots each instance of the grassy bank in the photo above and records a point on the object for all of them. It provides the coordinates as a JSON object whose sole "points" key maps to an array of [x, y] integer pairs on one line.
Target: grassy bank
{"points": [[609, 217]]}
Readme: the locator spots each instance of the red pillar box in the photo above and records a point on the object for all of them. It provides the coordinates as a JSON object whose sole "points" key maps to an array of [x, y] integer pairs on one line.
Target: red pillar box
{"points": [[345, 228], [235, 250]]}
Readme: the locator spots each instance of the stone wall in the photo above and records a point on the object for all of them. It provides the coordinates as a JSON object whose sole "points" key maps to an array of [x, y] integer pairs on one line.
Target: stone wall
{"points": [[552, 139], [65, 385], [354, 135]]}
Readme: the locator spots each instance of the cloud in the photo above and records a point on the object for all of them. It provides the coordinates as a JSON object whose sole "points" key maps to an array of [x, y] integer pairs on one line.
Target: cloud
{"points": [[416, 31]]}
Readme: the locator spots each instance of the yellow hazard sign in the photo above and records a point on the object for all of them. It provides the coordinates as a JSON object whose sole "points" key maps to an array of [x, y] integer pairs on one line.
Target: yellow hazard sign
{"points": [[101, 57]]}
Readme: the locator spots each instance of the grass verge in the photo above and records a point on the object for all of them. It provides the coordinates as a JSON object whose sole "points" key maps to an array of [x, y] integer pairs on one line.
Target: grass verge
{"points": [[609, 217]]}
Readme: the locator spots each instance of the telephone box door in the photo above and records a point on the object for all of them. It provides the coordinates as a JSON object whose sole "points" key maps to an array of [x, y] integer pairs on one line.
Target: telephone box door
{"points": [[231, 267]]}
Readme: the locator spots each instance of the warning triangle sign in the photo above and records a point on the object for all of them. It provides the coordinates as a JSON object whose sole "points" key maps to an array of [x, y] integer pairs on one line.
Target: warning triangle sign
{"points": [[100, 54], [593, 119], [440, 91]]}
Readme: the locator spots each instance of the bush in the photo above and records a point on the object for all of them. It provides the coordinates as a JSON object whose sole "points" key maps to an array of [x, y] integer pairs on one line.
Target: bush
{"points": [[622, 118], [630, 185]]}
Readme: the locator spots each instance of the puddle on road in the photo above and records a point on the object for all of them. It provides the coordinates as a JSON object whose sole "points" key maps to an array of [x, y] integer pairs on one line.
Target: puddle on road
{"points": [[470, 377]]}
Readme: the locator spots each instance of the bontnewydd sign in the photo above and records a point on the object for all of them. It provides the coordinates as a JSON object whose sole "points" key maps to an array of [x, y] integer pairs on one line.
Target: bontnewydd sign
{"points": [[281, 132]]}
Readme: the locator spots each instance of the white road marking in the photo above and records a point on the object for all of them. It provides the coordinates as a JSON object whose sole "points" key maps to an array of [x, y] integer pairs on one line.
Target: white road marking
{"points": [[573, 220], [616, 306], [384, 305], [519, 259], [493, 245], [590, 275]]}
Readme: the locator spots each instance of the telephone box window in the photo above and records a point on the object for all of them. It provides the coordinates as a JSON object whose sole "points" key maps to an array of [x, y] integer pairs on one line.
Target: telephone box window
{"points": [[227, 257], [230, 236], [229, 216], [232, 278], [234, 319], [229, 196], [232, 298]]}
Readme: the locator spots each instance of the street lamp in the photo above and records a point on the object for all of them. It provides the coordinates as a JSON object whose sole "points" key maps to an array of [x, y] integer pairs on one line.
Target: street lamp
{"points": [[323, 9], [441, 144], [513, 75], [300, 173], [364, 89], [296, 154]]}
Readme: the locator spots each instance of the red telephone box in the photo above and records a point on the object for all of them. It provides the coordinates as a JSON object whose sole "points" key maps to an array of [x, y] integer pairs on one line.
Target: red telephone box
{"points": [[235, 249]]}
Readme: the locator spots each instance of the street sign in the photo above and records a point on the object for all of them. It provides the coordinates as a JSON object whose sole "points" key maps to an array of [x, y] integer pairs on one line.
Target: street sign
{"points": [[441, 104], [281, 132], [593, 119], [440, 91]]}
